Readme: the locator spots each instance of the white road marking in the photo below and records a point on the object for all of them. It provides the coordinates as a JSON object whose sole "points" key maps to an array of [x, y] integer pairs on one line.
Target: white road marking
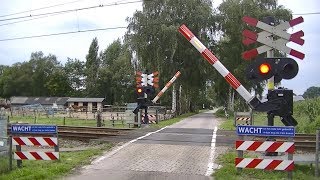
{"points": [[111, 153], [212, 151]]}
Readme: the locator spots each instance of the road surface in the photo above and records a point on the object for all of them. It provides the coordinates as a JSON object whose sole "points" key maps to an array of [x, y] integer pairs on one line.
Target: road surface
{"points": [[185, 150]]}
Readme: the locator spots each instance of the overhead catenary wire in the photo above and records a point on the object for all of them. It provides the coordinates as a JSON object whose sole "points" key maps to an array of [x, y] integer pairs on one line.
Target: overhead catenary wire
{"points": [[63, 33], [74, 32], [37, 9], [71, 10]]}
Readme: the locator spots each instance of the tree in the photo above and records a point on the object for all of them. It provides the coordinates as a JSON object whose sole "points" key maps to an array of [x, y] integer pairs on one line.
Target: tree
{"points": [[312, 92], [91, 68], [152, 35], [16, 81], [116, 75], [42, 68], [58, 84], [229, 47], [74, 69]]}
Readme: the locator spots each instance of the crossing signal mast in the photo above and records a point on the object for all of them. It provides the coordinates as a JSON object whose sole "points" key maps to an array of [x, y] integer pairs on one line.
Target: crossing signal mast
{"points": [[280, 101], [146, 84]]}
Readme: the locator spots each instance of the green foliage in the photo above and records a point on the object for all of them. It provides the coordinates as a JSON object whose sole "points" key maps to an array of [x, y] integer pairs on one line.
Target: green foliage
{"points": [[153, 36], [229, 48], [307, 113], [312, 92], [116, 78], [91, 69]]}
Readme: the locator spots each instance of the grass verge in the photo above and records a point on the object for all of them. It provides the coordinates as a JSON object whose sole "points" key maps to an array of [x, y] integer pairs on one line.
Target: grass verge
{"points": [[229, 172], [169, 122], [52, 169], [259, 119]]}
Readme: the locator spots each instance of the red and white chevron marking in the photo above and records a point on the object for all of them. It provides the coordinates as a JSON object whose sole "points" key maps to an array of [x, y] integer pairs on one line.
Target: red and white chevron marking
{"points": [[214, 61], [152, 118], [166, 86], [267, 164], [35, 141], [265, 146], [26, 155]]}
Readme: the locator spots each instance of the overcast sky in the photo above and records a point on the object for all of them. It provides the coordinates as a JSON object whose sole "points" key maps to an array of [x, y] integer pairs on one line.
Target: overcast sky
{"points": [[77, 45]]}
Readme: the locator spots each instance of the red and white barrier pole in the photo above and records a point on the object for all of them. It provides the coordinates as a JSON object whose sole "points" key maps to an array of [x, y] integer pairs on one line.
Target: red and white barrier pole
{"points": [[166, 87], [214, 61]]}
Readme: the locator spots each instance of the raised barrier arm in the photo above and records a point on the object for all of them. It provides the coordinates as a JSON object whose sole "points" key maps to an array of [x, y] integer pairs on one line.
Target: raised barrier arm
{"points": [[166, 86], [251, 100]]}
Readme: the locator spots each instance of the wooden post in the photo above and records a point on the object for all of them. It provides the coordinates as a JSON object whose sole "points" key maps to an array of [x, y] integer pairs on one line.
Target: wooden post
{"points": [[157, 118], [317, 153], [10, 153], [19, 162]]}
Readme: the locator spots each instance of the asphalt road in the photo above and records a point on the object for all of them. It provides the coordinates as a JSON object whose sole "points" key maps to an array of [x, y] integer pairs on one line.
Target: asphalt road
{"points": [[185, 150]]}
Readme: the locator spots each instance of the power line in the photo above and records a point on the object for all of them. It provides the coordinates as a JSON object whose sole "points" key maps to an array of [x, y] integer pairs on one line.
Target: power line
{"points": [[46, 7], [304, 14], [5, 24], [63, 33], [72, 10]]}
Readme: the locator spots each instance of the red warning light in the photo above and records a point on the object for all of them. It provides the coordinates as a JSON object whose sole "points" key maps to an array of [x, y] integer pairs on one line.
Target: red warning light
{"points": [[264, 68]]}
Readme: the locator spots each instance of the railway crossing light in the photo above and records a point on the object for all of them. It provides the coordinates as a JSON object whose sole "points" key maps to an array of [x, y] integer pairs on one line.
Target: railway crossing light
{"points": [[264, 68]]}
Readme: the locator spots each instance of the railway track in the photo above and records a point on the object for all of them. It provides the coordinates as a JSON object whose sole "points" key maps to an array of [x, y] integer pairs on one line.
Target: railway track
{"points": [[85, 133], [304, 142]]}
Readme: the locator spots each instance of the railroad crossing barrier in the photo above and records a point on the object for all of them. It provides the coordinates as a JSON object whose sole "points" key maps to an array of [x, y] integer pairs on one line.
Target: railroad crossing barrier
{"points": [[265, 146], [243, 118], [317, 153], [18, 139]]}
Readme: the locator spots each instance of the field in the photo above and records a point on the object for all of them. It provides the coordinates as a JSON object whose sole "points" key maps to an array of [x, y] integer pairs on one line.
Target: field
{"points": [[307, 114]]}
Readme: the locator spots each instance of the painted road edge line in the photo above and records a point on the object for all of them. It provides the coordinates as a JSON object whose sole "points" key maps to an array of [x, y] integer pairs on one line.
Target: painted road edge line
{"points": [[212, 152], [111, 153]]}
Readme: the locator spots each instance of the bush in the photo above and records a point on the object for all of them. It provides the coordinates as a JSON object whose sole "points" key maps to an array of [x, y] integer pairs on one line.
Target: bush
{"points": [[307, 113]]}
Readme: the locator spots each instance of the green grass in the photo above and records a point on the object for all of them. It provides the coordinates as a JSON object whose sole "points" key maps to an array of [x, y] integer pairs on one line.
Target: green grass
{"points": [[260, 119], [169, 122], [51, 169], [306, 113], [229, 172]]}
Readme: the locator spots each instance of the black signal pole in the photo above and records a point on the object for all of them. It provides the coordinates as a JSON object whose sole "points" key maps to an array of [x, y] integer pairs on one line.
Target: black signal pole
{"points": [[270, 85]]}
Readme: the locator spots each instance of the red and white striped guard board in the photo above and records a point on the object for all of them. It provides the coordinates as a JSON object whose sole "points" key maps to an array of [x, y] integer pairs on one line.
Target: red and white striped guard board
{"points": [[267, 164], [265, 146], [35, 141], [26, 155]]}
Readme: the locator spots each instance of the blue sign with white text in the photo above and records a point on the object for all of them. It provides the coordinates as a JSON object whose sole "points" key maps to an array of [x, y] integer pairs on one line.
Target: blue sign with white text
{"points": [[266, 131], [40, 129]]}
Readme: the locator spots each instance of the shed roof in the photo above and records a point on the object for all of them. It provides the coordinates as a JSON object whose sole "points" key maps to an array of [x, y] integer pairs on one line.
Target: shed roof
{"points": [[18, 100], [85, 100], [39, 100]]}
